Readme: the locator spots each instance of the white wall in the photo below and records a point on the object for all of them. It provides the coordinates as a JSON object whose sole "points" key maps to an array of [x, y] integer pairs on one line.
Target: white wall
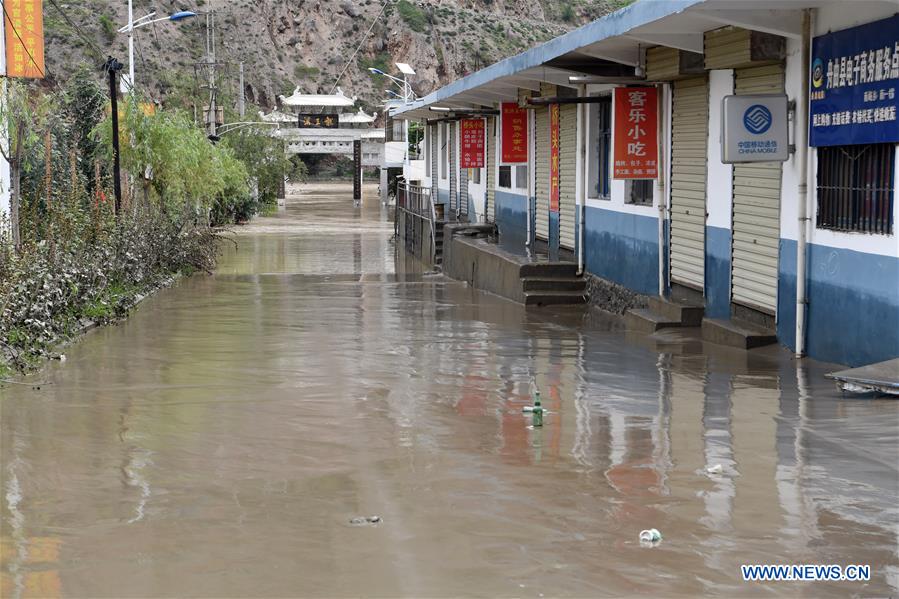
{"points": [[616, 203], [719, 176], [830, 18]]}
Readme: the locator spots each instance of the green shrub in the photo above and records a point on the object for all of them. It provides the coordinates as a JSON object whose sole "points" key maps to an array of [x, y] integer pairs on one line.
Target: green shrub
{"points": [[413, 16]]}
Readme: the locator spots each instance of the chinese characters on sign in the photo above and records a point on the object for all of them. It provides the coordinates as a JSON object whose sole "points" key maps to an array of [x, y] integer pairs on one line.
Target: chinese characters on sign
{"points": [[472, 143], [554, 138], [514, 134], [318, 121], [636, 133], [24, 38], [855, 85]]}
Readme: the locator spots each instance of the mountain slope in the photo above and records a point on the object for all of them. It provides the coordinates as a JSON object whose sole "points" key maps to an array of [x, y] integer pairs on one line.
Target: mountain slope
{"points": [[307, 43]]}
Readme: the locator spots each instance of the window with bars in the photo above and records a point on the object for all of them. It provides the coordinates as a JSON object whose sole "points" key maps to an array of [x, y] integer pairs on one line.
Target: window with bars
{"points": [[599, 150], [855, 188], [638, 192]]}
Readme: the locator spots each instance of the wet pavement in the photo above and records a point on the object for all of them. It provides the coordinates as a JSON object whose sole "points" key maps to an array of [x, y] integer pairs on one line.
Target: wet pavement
{"points": [[220, 442]]}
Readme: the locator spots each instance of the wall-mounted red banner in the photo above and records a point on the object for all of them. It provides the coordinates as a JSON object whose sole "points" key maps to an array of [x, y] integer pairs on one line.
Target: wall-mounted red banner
{"points": [[554, 138], [636, 133], [514, 134], [472, 155]]}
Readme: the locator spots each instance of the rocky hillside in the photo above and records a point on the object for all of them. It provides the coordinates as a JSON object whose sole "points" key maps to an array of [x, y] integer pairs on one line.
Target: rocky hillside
{"points": [[307, 43]]}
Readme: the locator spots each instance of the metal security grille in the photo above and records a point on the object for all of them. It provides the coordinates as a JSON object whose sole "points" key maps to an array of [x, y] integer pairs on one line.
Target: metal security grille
{"points": [[756, 209], [434, 149], [689, 153], [453, 169], [541, 163], [463, 194], [491, 169], [568, 174], [855, 188]]}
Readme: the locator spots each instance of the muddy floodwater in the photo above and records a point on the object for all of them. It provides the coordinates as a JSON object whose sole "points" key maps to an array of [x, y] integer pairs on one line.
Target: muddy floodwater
{"points": [[239, 433]]}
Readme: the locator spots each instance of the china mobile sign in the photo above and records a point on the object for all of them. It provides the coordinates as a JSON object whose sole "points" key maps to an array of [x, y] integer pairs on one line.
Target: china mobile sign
{"points": [[854, 97], [636, 133]]}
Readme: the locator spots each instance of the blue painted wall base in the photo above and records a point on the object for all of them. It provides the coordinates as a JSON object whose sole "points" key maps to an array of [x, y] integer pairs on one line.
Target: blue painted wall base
{"points": [[623, 248]]}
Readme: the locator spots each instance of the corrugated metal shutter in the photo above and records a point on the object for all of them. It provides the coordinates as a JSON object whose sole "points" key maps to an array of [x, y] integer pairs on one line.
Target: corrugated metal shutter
{"points": [[463, 193], [756, 216], [453, 169], [435, 152], [567, 173], [491, 170], [689, 153], [541, 163]]}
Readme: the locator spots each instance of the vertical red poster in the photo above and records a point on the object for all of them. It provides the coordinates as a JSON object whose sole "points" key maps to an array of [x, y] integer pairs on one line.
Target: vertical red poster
{"points": [[514, 134], [554, 157], [472, 155], [636, 133]]}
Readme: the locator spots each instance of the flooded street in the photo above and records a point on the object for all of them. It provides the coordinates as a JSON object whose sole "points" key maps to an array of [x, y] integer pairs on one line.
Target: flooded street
{"points": [[219, 442]]}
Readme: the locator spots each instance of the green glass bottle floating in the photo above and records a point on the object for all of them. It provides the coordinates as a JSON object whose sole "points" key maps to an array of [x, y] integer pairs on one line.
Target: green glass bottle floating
{"points": [[537, 412]]}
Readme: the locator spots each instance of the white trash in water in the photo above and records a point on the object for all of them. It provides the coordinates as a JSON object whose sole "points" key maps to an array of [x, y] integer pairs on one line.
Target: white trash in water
{"points": [[716, 469], [527, 409], [650, 536]]}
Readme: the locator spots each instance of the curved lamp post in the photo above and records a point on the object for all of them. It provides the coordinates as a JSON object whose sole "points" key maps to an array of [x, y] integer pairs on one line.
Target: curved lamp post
{"points": [[143, 21]]}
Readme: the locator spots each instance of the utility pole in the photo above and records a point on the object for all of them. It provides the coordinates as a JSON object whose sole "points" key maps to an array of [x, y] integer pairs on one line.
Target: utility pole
{"points": [[210, 64], [241, 101], [130, 46], [112, 67]]}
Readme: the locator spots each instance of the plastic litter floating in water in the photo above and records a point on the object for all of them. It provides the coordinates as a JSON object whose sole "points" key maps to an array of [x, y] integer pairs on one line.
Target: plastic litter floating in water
{"points": [[365, 520], [716, 469], [527, 409], [650, 537]]}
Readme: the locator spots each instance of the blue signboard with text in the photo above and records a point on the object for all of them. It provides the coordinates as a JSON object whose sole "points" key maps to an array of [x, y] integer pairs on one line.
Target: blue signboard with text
{"points": [[855, 85]]}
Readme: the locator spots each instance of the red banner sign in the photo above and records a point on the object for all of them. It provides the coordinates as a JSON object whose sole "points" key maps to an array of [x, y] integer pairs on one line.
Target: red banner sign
{"points": [[514, 134], [636, 133], [472, 143], [554, 138], [24, 38]]}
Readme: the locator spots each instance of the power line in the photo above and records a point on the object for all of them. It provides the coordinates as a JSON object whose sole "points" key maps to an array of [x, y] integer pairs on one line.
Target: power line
{"points": [[359, 47], [21, 41]]}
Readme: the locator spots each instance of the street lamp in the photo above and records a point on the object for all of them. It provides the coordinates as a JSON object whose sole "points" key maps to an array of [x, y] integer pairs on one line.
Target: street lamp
{"points": [[142, 22]]}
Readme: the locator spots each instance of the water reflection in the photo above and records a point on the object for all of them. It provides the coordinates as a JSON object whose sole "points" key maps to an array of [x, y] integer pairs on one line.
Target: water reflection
{"points": [[218, 442]]}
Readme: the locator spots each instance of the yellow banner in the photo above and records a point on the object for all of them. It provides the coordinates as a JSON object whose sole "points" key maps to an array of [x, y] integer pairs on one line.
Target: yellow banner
{"points": [[24, 26]]}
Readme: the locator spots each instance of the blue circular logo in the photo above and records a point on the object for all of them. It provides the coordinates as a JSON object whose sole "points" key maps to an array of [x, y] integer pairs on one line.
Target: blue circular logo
{"points": [[757, 119]]}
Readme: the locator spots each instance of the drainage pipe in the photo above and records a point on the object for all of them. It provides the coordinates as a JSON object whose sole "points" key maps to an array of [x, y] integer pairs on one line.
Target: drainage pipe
{"points": [[662, 136], [802, 149]]}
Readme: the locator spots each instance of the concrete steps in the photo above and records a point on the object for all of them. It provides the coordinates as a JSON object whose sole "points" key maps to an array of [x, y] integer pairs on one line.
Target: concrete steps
{"points": [[552, 284], [554, 298], [736, 334], [661, 314], [438, 242], [645, 320]]}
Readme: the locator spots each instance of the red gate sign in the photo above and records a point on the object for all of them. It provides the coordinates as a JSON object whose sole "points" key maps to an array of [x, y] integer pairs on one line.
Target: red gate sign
{"points": [[472, 144], [554, 138], [514, 134], [636, 133]]}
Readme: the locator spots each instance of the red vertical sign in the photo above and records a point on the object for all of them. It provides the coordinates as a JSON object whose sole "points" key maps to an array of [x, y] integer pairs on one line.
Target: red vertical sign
{"points": [[554, 157], [514, 134], [472, 143], [636, 133]]}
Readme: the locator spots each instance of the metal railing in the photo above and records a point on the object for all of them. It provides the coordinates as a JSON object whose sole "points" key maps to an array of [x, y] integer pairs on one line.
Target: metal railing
{"points": [[415, 203]]}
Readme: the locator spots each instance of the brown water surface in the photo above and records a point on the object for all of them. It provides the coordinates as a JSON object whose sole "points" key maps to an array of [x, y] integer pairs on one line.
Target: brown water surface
{"points": [[219, 441]]}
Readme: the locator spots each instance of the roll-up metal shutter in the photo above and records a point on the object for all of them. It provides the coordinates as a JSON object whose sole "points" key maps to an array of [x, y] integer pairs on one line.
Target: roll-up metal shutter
{"points": [[435, 152], [463, 193], [541, 164], [567, 173], [689, 153], [453, 169], [756, 209], [491, 169]]}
